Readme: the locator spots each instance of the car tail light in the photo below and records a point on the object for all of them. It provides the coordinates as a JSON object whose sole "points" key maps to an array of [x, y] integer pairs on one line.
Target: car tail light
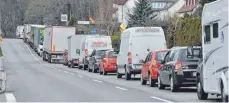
{"points": [[86, 53], [129, 60], [178, 66], [129, 54]]}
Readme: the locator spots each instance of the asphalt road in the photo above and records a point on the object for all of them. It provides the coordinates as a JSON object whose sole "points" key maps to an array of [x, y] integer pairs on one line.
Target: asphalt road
{"points": [[29, 79]]}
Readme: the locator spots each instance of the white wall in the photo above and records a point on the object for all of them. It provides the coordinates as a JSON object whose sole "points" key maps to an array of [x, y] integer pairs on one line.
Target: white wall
{"points": [[163, 15]]}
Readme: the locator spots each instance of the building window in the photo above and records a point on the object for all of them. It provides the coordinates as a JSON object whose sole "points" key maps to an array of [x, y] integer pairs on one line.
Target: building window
{"points": [[186, 2], [190, 2]]}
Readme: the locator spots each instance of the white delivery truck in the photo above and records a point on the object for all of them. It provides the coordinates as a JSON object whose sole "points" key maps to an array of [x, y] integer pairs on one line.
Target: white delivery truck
{"points": [[84, 45], [136, 43], [212, 75], [75, 44], [26, 32], [19, 32], [56, 42]]}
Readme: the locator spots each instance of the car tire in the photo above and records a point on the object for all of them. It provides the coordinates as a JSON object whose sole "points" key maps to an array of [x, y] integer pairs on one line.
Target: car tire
{"points": [[49, 59], [104, 72], [160, 85], [200, 92], [88, 69], [72, 65], [173, 87], [224, 98], [118, 75], [151, 81], [127, 76], [93, 69], [85, 67], [143, 81]]}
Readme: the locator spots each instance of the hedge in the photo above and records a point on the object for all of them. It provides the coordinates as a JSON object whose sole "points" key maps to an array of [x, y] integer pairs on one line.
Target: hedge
{"points": [[115, 41], [188, 32]]}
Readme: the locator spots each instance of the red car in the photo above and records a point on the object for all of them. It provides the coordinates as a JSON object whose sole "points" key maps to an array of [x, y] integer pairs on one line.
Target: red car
{"points": [[108, 64], [151, 64]]}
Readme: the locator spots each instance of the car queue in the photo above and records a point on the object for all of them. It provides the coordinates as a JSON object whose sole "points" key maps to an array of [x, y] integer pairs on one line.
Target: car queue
{"points": [[143, 51]]}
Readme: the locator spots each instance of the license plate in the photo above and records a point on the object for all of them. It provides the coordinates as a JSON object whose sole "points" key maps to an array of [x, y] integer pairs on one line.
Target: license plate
{"points": [[138, 67], [194, 74], [75, 61]]}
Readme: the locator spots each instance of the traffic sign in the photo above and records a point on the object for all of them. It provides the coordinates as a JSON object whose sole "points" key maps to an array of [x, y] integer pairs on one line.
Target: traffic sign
{"points": [[93, 31], [123, 26], [64, 17], [83, 22]]}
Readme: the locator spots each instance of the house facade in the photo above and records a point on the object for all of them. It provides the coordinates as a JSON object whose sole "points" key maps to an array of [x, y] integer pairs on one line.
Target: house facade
{"points": [[189, 7]]}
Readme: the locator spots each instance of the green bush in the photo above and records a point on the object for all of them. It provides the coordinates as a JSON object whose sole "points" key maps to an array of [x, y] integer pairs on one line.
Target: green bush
{"points": [[1, 53], [115, 41], [188, 32]]}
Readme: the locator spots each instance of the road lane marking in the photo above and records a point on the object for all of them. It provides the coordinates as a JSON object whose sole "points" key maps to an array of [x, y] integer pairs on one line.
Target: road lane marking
{"points": [[66, 72], [97, 81], [120, 88], [71, 73], [161, 99], [80, 76], [10, 97]]}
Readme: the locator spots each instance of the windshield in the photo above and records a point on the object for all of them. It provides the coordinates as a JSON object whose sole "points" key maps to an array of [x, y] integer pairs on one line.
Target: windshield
{"points": [[161, 55], [112, 54], [101, 53], [183, 56]]}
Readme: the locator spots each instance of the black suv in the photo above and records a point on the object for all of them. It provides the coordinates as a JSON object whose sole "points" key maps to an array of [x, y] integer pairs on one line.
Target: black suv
{"points": [[94, 60], [178, 70]]}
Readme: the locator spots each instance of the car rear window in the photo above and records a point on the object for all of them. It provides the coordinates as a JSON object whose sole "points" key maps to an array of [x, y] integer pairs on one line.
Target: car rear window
{"points": [[112, 55], [101, 53], [161, 55], [183, 56]]}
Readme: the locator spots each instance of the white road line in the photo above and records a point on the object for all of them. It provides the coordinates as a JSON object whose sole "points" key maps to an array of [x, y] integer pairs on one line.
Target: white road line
{"points": [[120, 88], [60, 70], [66, 72], [161, 99], [97, 81], [80, 76], [71, 73], [10, 97]]}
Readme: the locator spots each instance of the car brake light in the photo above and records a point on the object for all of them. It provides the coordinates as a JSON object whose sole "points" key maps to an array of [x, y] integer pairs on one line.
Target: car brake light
{"points": [[178, 66], [86, 53], [129, 60]]}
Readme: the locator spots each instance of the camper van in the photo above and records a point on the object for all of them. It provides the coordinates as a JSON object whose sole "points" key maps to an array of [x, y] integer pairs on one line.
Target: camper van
{"points": [[81, 47], [212, 72], [136, 43]]}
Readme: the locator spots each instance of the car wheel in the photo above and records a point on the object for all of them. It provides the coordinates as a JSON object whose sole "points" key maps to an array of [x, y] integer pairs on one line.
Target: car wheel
{"points": [[173, 87], [93, 69], [127, 76], [89, 68], [143, 81], [160, 85], [200, 92], [118, 74], [72, 65], [104, 72], [151, 81], [224, 98]]}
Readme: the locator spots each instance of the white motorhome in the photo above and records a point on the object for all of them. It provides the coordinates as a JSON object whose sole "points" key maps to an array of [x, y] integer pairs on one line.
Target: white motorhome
{"points": [[56, 42], [87, 44], [212, 77], [136, 43]]}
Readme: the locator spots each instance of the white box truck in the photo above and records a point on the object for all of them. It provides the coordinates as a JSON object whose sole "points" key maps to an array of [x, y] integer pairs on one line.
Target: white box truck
{"points": [[136, 43], [81, 46], [212, 72], [56, 42], [26, 32], [19, 32]]}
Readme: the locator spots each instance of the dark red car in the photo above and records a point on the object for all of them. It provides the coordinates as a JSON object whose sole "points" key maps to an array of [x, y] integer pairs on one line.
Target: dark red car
{"points": [[152, 63]]}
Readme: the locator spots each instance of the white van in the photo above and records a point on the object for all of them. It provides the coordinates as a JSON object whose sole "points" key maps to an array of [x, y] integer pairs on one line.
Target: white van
{"points": [[136, 43], [212, 77], [89, 43]]}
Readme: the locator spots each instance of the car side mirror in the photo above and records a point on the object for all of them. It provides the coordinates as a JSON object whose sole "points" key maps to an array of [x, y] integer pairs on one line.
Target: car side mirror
{"points": [[190, 53], [142, 61]]}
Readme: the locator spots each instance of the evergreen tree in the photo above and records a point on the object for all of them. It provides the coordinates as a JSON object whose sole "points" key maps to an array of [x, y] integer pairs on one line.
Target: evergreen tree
{"points": [[142, 15]]}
